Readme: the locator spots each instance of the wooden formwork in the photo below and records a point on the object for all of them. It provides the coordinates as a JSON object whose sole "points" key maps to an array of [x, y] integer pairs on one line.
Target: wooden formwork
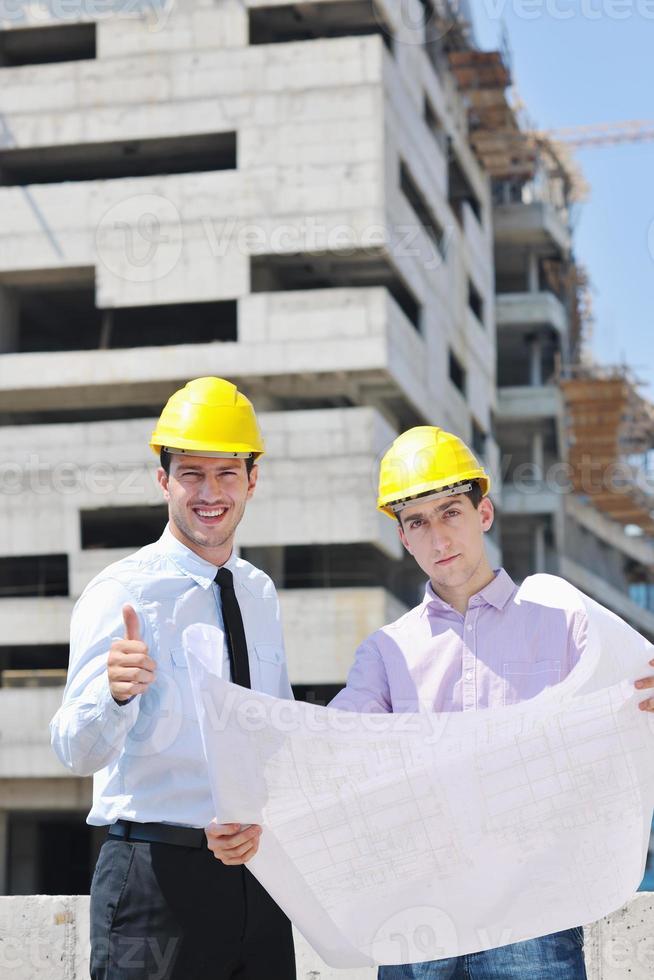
{"points": [[506, 148], [610, 428], [495, 134]]}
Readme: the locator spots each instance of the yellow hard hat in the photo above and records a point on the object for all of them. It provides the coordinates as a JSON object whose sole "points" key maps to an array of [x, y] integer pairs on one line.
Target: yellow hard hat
{"points": [[426, 462], [208, 417]]}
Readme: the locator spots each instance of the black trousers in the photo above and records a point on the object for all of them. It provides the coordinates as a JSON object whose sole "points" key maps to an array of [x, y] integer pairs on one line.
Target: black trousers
{"points": [[164, 912]]}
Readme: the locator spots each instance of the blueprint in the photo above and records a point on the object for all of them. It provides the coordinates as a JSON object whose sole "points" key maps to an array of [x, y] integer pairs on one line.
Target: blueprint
{"points": [[398, 838]]}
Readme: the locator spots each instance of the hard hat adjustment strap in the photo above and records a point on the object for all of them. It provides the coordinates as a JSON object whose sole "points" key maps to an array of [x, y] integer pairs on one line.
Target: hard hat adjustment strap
{"points": [[452, 491], [204, 452]]}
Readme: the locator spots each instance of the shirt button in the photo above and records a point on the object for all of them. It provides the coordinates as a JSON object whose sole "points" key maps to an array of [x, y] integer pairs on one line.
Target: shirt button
{"points": [[469, 627], [469, 675]]}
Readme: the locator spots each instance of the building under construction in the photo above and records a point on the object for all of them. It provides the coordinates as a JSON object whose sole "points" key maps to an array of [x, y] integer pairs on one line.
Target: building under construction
{"points": [[344, 215]]}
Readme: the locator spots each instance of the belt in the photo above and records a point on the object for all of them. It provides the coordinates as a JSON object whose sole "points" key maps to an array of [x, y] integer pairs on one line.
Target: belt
{"points": [[158, 833]]}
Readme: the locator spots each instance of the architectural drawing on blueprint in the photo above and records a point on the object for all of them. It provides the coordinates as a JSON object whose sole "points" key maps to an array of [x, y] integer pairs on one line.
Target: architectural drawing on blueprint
{"points": [[398, 838]]}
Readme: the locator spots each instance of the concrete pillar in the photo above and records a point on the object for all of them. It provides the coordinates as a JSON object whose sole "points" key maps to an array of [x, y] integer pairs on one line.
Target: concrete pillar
{"points": [[8, 321], [4, 851], [533, 278], [535, 360], [540, 559], [105, 329], [538, 456]]}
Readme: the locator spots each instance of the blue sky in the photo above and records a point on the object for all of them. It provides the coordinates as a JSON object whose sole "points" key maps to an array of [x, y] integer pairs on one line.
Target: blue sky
{"points": [[594, 67]]}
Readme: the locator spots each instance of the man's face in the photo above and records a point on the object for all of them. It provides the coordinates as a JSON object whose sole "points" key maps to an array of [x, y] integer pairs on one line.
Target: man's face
{"points": [[446, 538], [206, 497]]}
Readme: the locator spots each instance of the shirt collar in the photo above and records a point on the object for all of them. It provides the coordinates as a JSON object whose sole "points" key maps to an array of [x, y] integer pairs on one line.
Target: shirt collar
{"points": [[199, 569], [497, 593]]}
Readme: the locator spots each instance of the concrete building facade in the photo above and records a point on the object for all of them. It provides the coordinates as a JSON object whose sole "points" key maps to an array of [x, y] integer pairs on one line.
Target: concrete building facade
{"points": [[289, 197], [221, 188], [550, 519]]}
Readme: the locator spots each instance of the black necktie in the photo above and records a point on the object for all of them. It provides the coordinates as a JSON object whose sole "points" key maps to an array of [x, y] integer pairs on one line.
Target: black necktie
{"points": [[234, 632]]}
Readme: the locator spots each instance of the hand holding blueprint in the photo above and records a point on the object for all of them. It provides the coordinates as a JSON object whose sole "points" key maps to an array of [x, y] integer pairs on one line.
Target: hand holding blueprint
{"points": [[409, 837]]}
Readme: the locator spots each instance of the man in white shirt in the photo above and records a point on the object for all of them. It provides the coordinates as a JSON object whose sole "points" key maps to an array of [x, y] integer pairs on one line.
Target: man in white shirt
{"points": [[161, 904]]}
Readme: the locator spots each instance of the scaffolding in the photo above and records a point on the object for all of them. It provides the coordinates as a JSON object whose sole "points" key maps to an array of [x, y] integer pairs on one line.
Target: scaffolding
{"points": [[610, 425], [570, 282], [610, 428], [482, 77], [507, 144]]}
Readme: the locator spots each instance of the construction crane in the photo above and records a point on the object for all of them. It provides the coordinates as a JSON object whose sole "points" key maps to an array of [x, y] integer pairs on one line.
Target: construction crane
{"points": [[602, 134]]}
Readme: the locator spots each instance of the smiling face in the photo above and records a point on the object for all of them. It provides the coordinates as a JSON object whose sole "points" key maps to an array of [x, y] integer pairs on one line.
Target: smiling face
{"points": [[206, 500], [446, 538]]}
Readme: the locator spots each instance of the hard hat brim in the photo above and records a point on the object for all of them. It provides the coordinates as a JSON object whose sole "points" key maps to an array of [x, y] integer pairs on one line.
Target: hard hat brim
{"points": [[389, 505], [190, 446]]}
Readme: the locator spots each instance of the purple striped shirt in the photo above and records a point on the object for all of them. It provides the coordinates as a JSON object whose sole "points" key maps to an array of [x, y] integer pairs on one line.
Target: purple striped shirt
{"points": [[435, 659]]}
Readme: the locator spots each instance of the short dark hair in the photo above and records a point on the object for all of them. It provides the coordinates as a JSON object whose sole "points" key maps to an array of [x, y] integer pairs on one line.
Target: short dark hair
{"points": [[475, 495], [165, 460]]}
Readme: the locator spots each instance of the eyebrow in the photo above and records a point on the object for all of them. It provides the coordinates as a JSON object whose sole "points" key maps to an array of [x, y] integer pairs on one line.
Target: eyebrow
{"points": [[420, 516], [189, 468], [456, 499]]}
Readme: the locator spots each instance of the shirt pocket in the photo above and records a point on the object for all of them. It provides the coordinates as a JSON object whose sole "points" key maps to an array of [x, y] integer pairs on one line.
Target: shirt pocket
{"points": [[524, 679], [268, 665]]}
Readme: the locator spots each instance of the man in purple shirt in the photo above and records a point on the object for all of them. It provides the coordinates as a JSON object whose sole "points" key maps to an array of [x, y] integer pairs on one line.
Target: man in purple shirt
{"points": [[467, 645]]}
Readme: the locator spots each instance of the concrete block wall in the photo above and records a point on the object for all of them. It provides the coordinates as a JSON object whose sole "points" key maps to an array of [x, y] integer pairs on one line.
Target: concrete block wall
{"points": [[25, 751], [46, 938], [290, 104], [342, 618], [340, 341], [317, 480], [447, 323], [273, 96], [321, 126]]}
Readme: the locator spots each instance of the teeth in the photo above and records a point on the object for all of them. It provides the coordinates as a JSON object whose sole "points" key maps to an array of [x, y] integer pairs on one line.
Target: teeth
{"points": [[212, 513]]}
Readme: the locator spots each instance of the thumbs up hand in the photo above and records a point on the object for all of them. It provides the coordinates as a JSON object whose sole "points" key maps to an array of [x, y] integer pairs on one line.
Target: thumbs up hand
{"points": [[131, 621], [129, 668]]}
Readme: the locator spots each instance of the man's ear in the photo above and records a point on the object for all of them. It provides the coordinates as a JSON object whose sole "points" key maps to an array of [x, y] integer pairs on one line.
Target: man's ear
{"points": [[486, 513], [252, 480], [162, 480]]}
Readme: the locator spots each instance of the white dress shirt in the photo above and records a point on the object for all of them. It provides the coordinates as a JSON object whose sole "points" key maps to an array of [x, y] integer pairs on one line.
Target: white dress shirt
{"points": [[146, 756]]}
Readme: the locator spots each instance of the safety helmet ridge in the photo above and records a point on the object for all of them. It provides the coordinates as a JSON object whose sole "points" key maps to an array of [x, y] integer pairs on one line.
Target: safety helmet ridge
{"points": [[208, 416], [427, 461]]}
